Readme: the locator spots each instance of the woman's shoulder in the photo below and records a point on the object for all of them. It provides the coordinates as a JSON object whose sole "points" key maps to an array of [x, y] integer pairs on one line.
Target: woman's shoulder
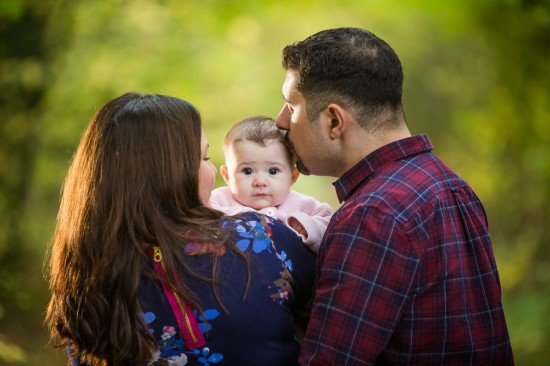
{"points": [[274, 228], [260, 231], [253, 218], [248, 215], [262, 234], [279, 273]]}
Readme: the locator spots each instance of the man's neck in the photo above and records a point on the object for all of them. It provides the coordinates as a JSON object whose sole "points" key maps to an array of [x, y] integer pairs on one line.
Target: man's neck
{"points": [[360, 143]]}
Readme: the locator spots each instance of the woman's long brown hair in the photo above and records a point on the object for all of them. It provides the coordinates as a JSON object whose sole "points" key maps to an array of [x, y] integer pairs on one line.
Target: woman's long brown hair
{"points": [[133, 183]]}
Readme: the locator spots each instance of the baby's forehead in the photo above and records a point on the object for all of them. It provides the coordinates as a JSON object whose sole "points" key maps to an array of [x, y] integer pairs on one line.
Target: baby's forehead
{"points": [[271, 150], [248, 143]]}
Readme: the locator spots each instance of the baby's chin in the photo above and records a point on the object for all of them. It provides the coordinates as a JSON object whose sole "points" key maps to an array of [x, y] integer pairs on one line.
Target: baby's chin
{"points": [[260, 203]]}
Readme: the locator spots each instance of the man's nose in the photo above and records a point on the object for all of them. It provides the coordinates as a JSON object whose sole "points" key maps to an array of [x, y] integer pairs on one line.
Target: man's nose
{"points": [[282, 120]]}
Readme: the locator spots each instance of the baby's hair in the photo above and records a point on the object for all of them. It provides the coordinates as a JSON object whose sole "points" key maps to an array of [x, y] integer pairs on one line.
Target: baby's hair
{"points": [[257, 129]]}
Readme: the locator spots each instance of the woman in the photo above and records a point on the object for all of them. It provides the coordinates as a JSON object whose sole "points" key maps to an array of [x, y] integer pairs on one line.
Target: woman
{"points": [[143, 272]]}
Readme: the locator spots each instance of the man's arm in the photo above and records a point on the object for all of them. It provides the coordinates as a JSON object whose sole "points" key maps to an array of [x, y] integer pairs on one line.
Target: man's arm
{"points": [[367, 269]]}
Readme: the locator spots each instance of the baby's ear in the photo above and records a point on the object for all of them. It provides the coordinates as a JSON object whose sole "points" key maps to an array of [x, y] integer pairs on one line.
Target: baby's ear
{"points": [[295, 174], [224, 173]]}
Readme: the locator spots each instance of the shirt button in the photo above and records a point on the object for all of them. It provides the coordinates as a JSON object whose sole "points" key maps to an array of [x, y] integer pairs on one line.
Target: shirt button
{"points": [[270, 212]]}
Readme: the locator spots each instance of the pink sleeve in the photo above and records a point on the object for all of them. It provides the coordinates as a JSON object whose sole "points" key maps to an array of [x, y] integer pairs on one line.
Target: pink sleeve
{"points": [[311, 213], [222, 200]]}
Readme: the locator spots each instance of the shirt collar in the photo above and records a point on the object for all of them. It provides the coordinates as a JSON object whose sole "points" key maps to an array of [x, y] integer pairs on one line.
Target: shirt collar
{"points": [[393, 151]]}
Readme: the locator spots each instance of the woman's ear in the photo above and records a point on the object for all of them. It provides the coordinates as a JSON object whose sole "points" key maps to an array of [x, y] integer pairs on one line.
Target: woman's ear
{"points": [[224, 173]]}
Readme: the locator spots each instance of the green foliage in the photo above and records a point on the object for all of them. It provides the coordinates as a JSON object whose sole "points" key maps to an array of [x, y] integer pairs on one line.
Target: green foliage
{"points": [[10, 353], [476, 80]]}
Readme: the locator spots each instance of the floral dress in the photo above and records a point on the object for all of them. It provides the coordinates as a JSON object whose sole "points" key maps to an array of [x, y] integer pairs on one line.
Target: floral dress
{"points": [[259, 328]]}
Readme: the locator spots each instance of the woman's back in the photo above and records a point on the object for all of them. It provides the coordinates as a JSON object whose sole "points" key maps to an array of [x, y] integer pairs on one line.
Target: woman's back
{"points": [[140, 181], [258, 330]]}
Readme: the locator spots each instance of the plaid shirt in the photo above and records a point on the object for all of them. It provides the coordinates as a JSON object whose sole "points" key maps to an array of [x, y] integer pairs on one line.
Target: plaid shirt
{"points": [[406, 274]]}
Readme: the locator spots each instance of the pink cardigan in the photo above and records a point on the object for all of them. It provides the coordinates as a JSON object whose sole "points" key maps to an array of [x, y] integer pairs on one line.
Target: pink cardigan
{"points": [[312, 214]]}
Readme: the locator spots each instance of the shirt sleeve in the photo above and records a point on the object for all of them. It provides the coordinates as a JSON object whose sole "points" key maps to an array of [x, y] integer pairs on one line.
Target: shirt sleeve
{"points": [[366, 272]]}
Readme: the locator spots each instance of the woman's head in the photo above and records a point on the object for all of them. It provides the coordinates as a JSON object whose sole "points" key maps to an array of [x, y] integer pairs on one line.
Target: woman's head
{"points": [[133, 182], [140, 156], [142, 147]]}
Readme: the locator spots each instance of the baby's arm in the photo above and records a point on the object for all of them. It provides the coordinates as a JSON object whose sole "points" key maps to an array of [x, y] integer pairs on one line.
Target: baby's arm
{"points": [[314, 227], [309, 218], [297, 226]]}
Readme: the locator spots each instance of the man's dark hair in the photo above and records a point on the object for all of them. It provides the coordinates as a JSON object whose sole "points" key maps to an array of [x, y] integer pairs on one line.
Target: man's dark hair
{"points": [[348, 66]]}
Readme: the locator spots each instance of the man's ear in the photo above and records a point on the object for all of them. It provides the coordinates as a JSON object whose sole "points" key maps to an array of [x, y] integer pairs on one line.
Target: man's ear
{"points": [[224, 173], [295, 174], [337, 118]]}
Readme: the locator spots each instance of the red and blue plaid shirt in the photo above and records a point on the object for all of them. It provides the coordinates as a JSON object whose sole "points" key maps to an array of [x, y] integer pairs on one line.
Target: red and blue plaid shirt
{"points": [[406, 272]]}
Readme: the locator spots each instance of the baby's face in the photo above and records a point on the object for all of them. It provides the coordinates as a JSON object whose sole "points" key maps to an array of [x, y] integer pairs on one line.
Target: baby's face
{"points": [[258, 176]]}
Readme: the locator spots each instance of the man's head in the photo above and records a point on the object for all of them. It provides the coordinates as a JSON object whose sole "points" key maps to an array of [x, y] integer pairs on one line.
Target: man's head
{"points": [[259, 168], [350, 66], [345, 67]]}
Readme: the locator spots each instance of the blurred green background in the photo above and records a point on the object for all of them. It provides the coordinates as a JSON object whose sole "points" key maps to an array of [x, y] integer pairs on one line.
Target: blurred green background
{"points": [[477, 80]]}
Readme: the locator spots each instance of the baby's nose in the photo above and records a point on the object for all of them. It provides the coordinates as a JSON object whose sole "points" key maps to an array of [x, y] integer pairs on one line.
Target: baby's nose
{"points": [[259, 181]]}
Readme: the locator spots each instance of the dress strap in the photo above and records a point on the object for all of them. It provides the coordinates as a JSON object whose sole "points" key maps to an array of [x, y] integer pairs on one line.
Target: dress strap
{"points": [[187, 322]]}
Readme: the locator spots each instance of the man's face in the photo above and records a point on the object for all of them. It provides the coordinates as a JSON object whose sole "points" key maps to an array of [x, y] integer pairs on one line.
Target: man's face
{"points": [[303, 136]]}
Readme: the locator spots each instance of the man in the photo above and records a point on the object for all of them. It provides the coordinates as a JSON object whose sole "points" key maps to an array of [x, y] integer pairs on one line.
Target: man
{"points": [[406, 272]]}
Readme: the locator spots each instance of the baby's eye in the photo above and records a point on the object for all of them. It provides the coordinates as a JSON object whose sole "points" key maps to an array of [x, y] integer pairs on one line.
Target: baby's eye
{"points": [[247, 171], [274, 171]]}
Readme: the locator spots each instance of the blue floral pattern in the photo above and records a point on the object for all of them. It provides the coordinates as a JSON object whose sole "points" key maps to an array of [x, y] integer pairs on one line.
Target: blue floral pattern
{"points": [[253, 235], [172, 345], [257, 234]]}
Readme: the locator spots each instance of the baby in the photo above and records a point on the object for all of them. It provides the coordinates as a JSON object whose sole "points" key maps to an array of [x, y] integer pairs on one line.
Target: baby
{"points": [[259, 171]]}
